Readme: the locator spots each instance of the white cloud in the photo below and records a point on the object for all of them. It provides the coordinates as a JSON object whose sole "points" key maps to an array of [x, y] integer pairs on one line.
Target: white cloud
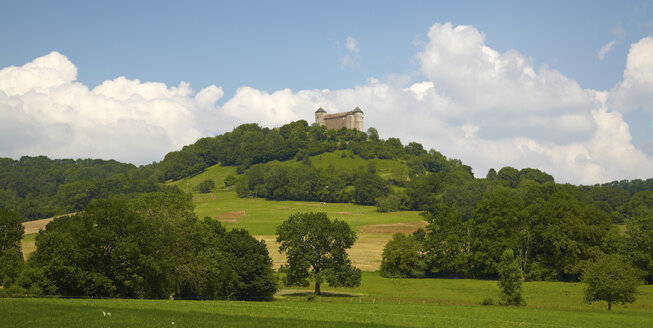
{"points": [[45, 111], [605, 50], [636, 88], [352, 45], [487, 108], [350, 59]]}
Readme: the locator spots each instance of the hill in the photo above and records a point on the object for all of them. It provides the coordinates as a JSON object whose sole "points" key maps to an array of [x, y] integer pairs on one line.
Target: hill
{"points": [[556, 228]]}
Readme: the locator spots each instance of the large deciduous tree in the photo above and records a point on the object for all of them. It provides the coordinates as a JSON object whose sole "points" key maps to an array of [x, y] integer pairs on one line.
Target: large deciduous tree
{"points": [[316, 248], [610, 279]]}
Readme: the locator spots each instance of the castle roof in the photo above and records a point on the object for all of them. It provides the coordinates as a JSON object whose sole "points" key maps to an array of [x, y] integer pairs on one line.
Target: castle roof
{"points": [[320, 110], [357, 110]]}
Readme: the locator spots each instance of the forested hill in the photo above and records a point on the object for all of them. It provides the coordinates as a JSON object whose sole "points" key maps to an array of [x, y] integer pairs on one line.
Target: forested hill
{"points": [[276, 164], [39, 187]]}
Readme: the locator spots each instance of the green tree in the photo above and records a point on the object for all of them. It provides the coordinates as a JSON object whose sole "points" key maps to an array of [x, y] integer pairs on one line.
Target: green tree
{"points": [[510, 279], [206, 186], [509, 176], [316, 248], [251, 265], [610, 279], [402, 258], [368, 187], [447, 242], [11, 231], [639, 231], [11, 259]]}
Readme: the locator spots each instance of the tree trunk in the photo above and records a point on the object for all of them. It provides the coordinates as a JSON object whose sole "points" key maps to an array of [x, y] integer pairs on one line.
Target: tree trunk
{"points": [[317, 287], [609, 306]]}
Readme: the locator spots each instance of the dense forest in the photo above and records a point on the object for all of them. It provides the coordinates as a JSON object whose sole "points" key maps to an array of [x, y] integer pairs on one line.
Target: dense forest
{"points": [[39, 187]]}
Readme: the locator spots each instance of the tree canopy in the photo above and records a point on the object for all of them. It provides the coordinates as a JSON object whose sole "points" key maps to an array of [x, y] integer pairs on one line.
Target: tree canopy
{"points": [[11, 258], [316, 249], [151, 247], [610, 279]]}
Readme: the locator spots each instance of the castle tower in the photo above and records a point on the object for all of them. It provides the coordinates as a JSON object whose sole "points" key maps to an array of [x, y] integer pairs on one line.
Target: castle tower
{"points": [[319, 116], [358, 119]]}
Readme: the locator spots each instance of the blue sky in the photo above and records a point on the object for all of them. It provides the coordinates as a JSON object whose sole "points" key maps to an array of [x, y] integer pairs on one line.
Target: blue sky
{"points": [[301, 45]]}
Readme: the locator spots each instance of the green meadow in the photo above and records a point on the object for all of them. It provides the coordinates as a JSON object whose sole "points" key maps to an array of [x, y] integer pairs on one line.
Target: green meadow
{"points": [[261, 217], [378, 302]]}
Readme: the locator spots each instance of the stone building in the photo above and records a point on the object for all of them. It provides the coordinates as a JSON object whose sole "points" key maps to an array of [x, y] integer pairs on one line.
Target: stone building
{"points": [[349, 120]]}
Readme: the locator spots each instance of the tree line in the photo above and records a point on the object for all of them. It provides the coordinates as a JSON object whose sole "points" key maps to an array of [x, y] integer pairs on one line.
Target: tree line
{"points": [[39, 187], [555, 231], [152, 246]]}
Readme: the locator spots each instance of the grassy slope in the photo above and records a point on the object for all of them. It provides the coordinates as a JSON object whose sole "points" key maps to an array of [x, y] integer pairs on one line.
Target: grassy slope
{"points": [[261, 217]]}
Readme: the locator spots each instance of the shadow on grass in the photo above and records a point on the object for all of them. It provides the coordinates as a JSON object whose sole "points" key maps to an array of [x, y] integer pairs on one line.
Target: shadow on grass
{"points": [[308, 293]]}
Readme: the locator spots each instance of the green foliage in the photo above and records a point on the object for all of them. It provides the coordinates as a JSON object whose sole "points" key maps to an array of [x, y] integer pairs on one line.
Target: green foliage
{"points": [[508, 176], [552, 229], [510, 282], [254, 278], [368, 187], [11, 259], [230, 180], [610, 279], [206, 186], [11, 265], [639, 242], [39, 187], [402, 258], [11, 231], [316, 249], [447, 242], [393, 202], [151, 247]]}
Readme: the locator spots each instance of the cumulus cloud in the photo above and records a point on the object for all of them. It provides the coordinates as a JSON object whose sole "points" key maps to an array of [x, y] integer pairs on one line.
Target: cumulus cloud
{"points": [[487, 108], [605, 50], [636, 88], [45, 111]]}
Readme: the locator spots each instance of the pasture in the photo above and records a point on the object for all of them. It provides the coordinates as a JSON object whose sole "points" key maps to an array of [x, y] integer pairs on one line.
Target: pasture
{"points": [[378, 302]]}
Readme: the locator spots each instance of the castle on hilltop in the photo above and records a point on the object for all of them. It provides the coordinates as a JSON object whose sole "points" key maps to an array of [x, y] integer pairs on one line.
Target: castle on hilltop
{"points": [[349, 120]]}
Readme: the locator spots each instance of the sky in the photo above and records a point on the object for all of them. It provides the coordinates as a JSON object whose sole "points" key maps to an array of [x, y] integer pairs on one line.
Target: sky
{"points": [[562, 86]]}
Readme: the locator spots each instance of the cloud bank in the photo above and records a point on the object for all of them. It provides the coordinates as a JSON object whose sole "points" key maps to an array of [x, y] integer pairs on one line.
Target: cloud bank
{"points": [[45, 111], [487, 108]]}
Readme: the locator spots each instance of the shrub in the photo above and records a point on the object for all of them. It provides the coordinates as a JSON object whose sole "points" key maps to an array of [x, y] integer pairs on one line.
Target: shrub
{"points": [[206, 186]]}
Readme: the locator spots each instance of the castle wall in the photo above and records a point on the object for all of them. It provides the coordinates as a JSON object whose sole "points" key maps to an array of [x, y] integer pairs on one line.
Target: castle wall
{"points": [[336, 122]]}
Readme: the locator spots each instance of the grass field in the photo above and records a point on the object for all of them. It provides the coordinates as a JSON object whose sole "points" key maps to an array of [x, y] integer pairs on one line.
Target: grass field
{"points": [[340, 311], [378, 302]]}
